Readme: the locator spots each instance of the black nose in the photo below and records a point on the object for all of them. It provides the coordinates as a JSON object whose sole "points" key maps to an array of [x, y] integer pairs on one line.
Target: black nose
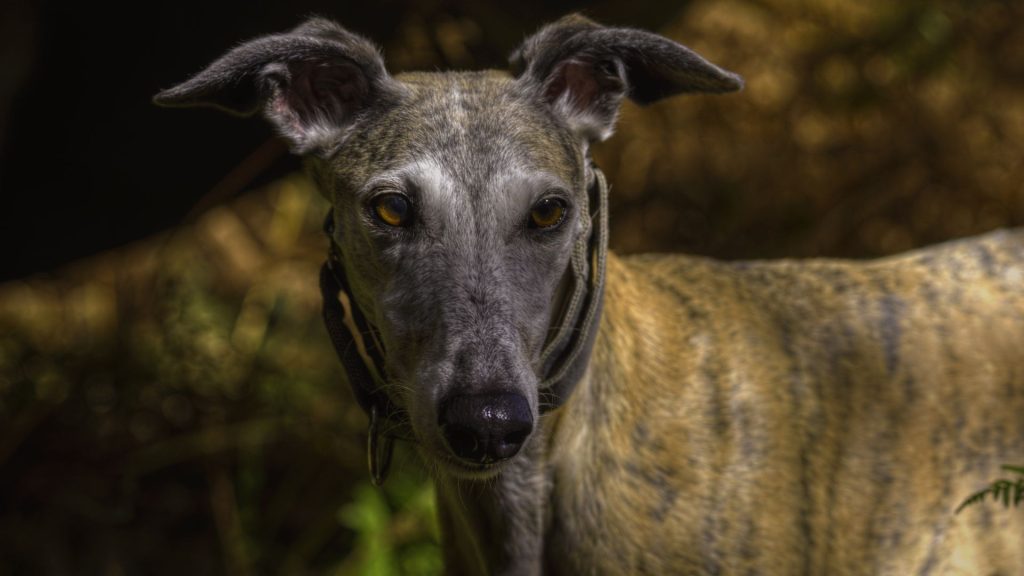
{"points": [[486, 428]]}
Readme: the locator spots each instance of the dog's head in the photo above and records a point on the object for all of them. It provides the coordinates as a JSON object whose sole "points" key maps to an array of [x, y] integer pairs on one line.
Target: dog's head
{"points": [[457, 199]]}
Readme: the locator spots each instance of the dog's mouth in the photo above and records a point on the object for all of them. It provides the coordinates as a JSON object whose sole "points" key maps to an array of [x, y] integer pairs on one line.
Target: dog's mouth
{"points": [[466, 470]]}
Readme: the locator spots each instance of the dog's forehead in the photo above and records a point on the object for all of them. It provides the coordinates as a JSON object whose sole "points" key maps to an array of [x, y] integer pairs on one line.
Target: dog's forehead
{"points": [[476, 125], [482, 122]]}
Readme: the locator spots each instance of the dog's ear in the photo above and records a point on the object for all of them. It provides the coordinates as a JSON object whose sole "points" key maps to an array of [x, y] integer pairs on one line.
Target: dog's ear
{"points": [[311, 83], [583, 70]]}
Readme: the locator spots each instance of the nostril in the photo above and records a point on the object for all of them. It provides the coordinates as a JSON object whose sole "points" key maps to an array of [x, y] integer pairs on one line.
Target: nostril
{"points": [[508, 446], [463, 441], [486, 427], [518, 437]]}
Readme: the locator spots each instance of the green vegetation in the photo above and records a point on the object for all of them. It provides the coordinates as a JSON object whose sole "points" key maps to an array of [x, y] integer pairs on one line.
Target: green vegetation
{"points": [[175, 407], [1010, 492]]}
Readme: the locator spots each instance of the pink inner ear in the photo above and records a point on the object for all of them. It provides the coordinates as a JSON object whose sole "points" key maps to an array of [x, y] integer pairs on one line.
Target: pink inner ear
{"points": [[578, 80], [324, 90]]}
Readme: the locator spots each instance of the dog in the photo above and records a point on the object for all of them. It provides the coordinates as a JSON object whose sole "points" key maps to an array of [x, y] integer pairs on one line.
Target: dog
{"points": [[584, 413]]}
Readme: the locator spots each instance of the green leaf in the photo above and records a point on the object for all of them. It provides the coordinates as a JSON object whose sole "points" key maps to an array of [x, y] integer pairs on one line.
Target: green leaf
{"points": [[369, 516], [1002, 489], [973, 499]]}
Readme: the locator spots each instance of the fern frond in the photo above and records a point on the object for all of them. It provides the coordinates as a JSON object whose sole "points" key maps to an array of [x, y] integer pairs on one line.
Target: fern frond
{"points": [[1009, 491], [973, 499], [1002, 487]]}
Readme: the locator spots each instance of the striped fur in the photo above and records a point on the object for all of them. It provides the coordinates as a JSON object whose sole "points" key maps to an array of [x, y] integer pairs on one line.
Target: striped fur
{"points": [[797, 417]]}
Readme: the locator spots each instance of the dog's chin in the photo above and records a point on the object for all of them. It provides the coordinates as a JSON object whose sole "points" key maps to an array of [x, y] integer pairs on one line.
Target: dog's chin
{"points": [[461, 470]]}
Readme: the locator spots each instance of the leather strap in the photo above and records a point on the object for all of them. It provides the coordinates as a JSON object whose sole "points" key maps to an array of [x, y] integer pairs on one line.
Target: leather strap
{"points": [[570, 349], [357, 347]]}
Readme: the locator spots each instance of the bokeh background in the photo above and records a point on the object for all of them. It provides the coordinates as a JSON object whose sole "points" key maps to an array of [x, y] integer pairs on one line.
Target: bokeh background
{"points": [[169, 402]]}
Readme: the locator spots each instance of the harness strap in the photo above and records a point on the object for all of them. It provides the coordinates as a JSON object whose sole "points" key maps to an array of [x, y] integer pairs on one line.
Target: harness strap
{"points": [[361, 359], [563, 360], [578, 272], [578, 327]]}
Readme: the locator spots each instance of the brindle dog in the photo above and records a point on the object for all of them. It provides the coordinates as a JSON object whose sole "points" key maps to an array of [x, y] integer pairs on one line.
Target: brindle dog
{"points": [[811, 417]]}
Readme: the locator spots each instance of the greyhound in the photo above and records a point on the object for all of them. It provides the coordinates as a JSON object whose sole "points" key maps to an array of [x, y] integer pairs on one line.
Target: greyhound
{"points": [[584, 413]]}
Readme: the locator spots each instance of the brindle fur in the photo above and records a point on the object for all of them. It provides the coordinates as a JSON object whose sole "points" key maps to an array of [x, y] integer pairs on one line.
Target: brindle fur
{"points": [[789, 417], [815, 417]]}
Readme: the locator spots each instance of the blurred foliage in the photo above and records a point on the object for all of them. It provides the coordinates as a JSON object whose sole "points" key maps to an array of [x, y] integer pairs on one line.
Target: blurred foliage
{"points": [[175, 407], [865, 128]]}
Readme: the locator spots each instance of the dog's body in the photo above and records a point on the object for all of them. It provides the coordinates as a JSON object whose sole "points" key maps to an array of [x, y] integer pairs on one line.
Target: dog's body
{"points": [[797, 417], [746, 418]]}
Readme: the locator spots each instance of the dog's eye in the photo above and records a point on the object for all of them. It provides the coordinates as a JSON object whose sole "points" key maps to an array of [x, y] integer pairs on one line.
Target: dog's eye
{"points": [[392, 209], [547, 213]]}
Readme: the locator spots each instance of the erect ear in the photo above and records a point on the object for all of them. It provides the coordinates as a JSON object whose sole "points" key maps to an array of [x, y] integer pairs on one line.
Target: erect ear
{"points": [[311, 83], [583, 70]]}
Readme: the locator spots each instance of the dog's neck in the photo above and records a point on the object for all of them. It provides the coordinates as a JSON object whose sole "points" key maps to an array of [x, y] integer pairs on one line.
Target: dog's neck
{"points": [[498, 526]]}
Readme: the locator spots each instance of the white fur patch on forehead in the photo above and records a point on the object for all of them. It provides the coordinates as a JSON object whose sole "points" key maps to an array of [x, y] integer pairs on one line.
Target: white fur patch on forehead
{"points": [[433, 179], [494, 200], [456, 104], [425, 175], [429, 183]]}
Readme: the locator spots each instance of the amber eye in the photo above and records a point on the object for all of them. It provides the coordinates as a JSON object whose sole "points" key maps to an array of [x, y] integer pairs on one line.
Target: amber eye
{"points": [[547, 213], [392, 209]]}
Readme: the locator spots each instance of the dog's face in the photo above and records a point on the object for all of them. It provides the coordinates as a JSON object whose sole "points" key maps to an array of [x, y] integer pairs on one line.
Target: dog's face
{"points": [[457, 199], [456, 225]]}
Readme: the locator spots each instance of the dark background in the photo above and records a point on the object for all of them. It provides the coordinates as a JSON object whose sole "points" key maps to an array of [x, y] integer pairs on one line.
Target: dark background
{"points": [[169, 402], [89, 164]]}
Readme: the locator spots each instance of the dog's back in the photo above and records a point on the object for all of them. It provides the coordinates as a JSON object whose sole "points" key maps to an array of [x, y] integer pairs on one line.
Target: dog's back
{"points": [[799, 416]]}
